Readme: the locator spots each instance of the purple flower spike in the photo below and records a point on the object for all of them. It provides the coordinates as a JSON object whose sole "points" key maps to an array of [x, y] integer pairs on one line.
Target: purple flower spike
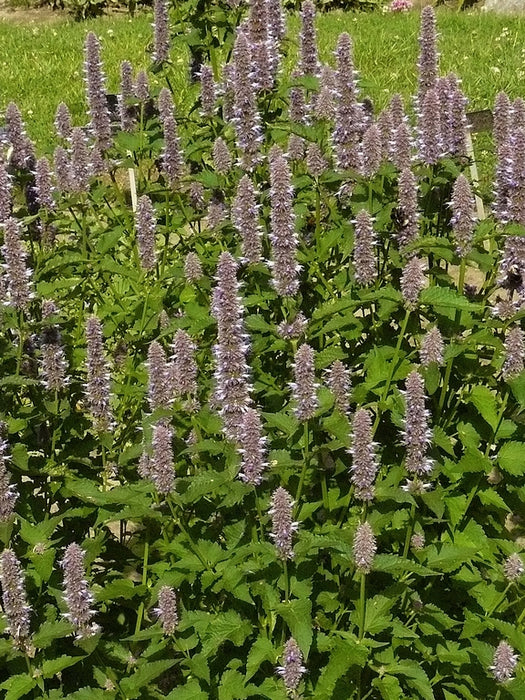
{"points": [[77, 595], [8, 492], [96, 93], [245, 218], [6, 199], [408, 190], [504, 662], [412, 281], [172, 159], [315, 160], [283, 527], [309, 64], [364, 462], [141, 89], [146, 226], [432, 348], [44, 188], [232, 384], [502, 119], [304, 385], [517, 183], [252, 448], [428, 54], [98, 378], [17, 273], [62, 166], [463, 218], [324, 103], [430, 146], [371, 151], [292, 669], [365, 548], [283, 236], [23, 150], [514, 352], [63, 125], [417, 435], [161, 468], [192, 268], [338, 381], [207, 91], [161, 31], [364, 257], [247, 120], [184, 369], [349, 117], [166, 610], [80, 166], [159, 389], [14, 599], [126, 94], [222, 159], [402, 147]]}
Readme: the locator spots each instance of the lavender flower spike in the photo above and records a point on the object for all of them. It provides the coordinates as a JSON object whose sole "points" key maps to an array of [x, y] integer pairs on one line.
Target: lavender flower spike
{"points": [[166, 610], [504, 662], [161, 31], [161, 467], [8, 493], [53, 363], [247, 121], [77, 595], [245, 218], [428, 55], [80, 167], [207, 91], [184, 369], [513, 567], [417, 435], [6, 198], [98, 379], [96, 93], [283, 526], [429, 127], [338, 381], [17, 273], [23, 150], [432, 348], [364, 462], [192, 268], [283, 236], [304, 387], [14, 599], [412, 281], [309, 61], [348, 117], [222, 160], [364, 258], [252, 448], [232, 383], [514, 352], [292, 669], [371, 151], [463, 217], [126, 94], [172, 160], [44, 188], [159, 390], [146, 226], [365, 548], [63, 125]]}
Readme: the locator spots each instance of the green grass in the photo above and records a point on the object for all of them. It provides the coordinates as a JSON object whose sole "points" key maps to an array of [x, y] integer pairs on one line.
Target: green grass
{"points": [[42, 64]]}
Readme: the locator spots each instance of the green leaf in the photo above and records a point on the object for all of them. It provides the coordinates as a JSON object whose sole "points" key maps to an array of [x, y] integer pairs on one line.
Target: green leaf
{"points": [[49, 631], [511, 458], [448, 298], [51, 667], [416, 677], [389, 688], [143, 676], [18, 686], [297, 614], [262, 650], [345, 653], [190, 691], [485, 401]]}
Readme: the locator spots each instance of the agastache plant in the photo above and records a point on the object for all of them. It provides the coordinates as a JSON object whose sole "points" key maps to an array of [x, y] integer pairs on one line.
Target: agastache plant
{"points": [[98, 378], [96, 93], [14, 599], [77, 595]]}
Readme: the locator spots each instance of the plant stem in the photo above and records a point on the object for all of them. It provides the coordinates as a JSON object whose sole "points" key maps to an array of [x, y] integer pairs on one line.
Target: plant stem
{"points": [[391, 373], [457, 320], [499, 601], [362, 606], [140, 612], [410, 529], [306, 459]]}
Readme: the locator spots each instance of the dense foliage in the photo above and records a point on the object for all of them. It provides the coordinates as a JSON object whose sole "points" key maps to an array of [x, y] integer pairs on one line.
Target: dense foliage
{"points": [[262, 389]]}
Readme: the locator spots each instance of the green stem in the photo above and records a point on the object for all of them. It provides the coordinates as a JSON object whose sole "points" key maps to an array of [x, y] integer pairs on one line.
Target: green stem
{"points": [[499, 601], [286, 581], [184, 529], [362, 606], [457, 320], [306, 460], [391, 373], [140, 612], [410, 530], [20, 352]]}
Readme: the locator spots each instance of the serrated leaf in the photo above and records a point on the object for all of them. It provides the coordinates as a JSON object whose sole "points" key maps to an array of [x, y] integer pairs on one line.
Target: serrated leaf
{"points": [[447, 298], [345, 654], [485, 401], [262, 650], [18, 686], [49, 631], [389, 688], [144, 676], [51, 667], [511, 458], [190, 691], [297, 614]]}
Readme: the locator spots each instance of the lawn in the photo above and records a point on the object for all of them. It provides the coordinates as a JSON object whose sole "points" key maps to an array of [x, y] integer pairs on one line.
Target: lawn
{"points": [[42, 64]]}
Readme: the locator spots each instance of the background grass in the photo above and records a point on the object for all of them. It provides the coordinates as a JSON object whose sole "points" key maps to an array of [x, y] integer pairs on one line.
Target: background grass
{"points": [[41, 64]]}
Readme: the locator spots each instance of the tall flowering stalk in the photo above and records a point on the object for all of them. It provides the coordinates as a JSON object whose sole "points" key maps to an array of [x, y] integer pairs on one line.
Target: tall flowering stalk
{"points": [[417, 435], [252, 448], [159, 388], [96, 93], [126, 94], [161, 31], [14, 599], [283, 526], [309, 63], [80, 165], [17, 273], [292, 669], [98, 378], [247, 121], [365, 548], [8, 492], [6, 198], [161, 467], [504, 662], [63, 125], [166, 610], [146, 227], [232, 375], [432, 348], [429, 127], [245, 218], [43, 185], [514, 352], [23, 154], [53, 362], [184, 368], [338, 381], [207, 91], [348, 116], [428, 54], [364, 257], [77, 595], [364, 462], [283, 236], [172, 159], [304, 385], [463, 218]]}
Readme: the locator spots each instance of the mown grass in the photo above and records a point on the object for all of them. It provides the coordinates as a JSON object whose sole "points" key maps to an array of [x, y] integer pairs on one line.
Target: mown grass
{"points": [[41, 64]]}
